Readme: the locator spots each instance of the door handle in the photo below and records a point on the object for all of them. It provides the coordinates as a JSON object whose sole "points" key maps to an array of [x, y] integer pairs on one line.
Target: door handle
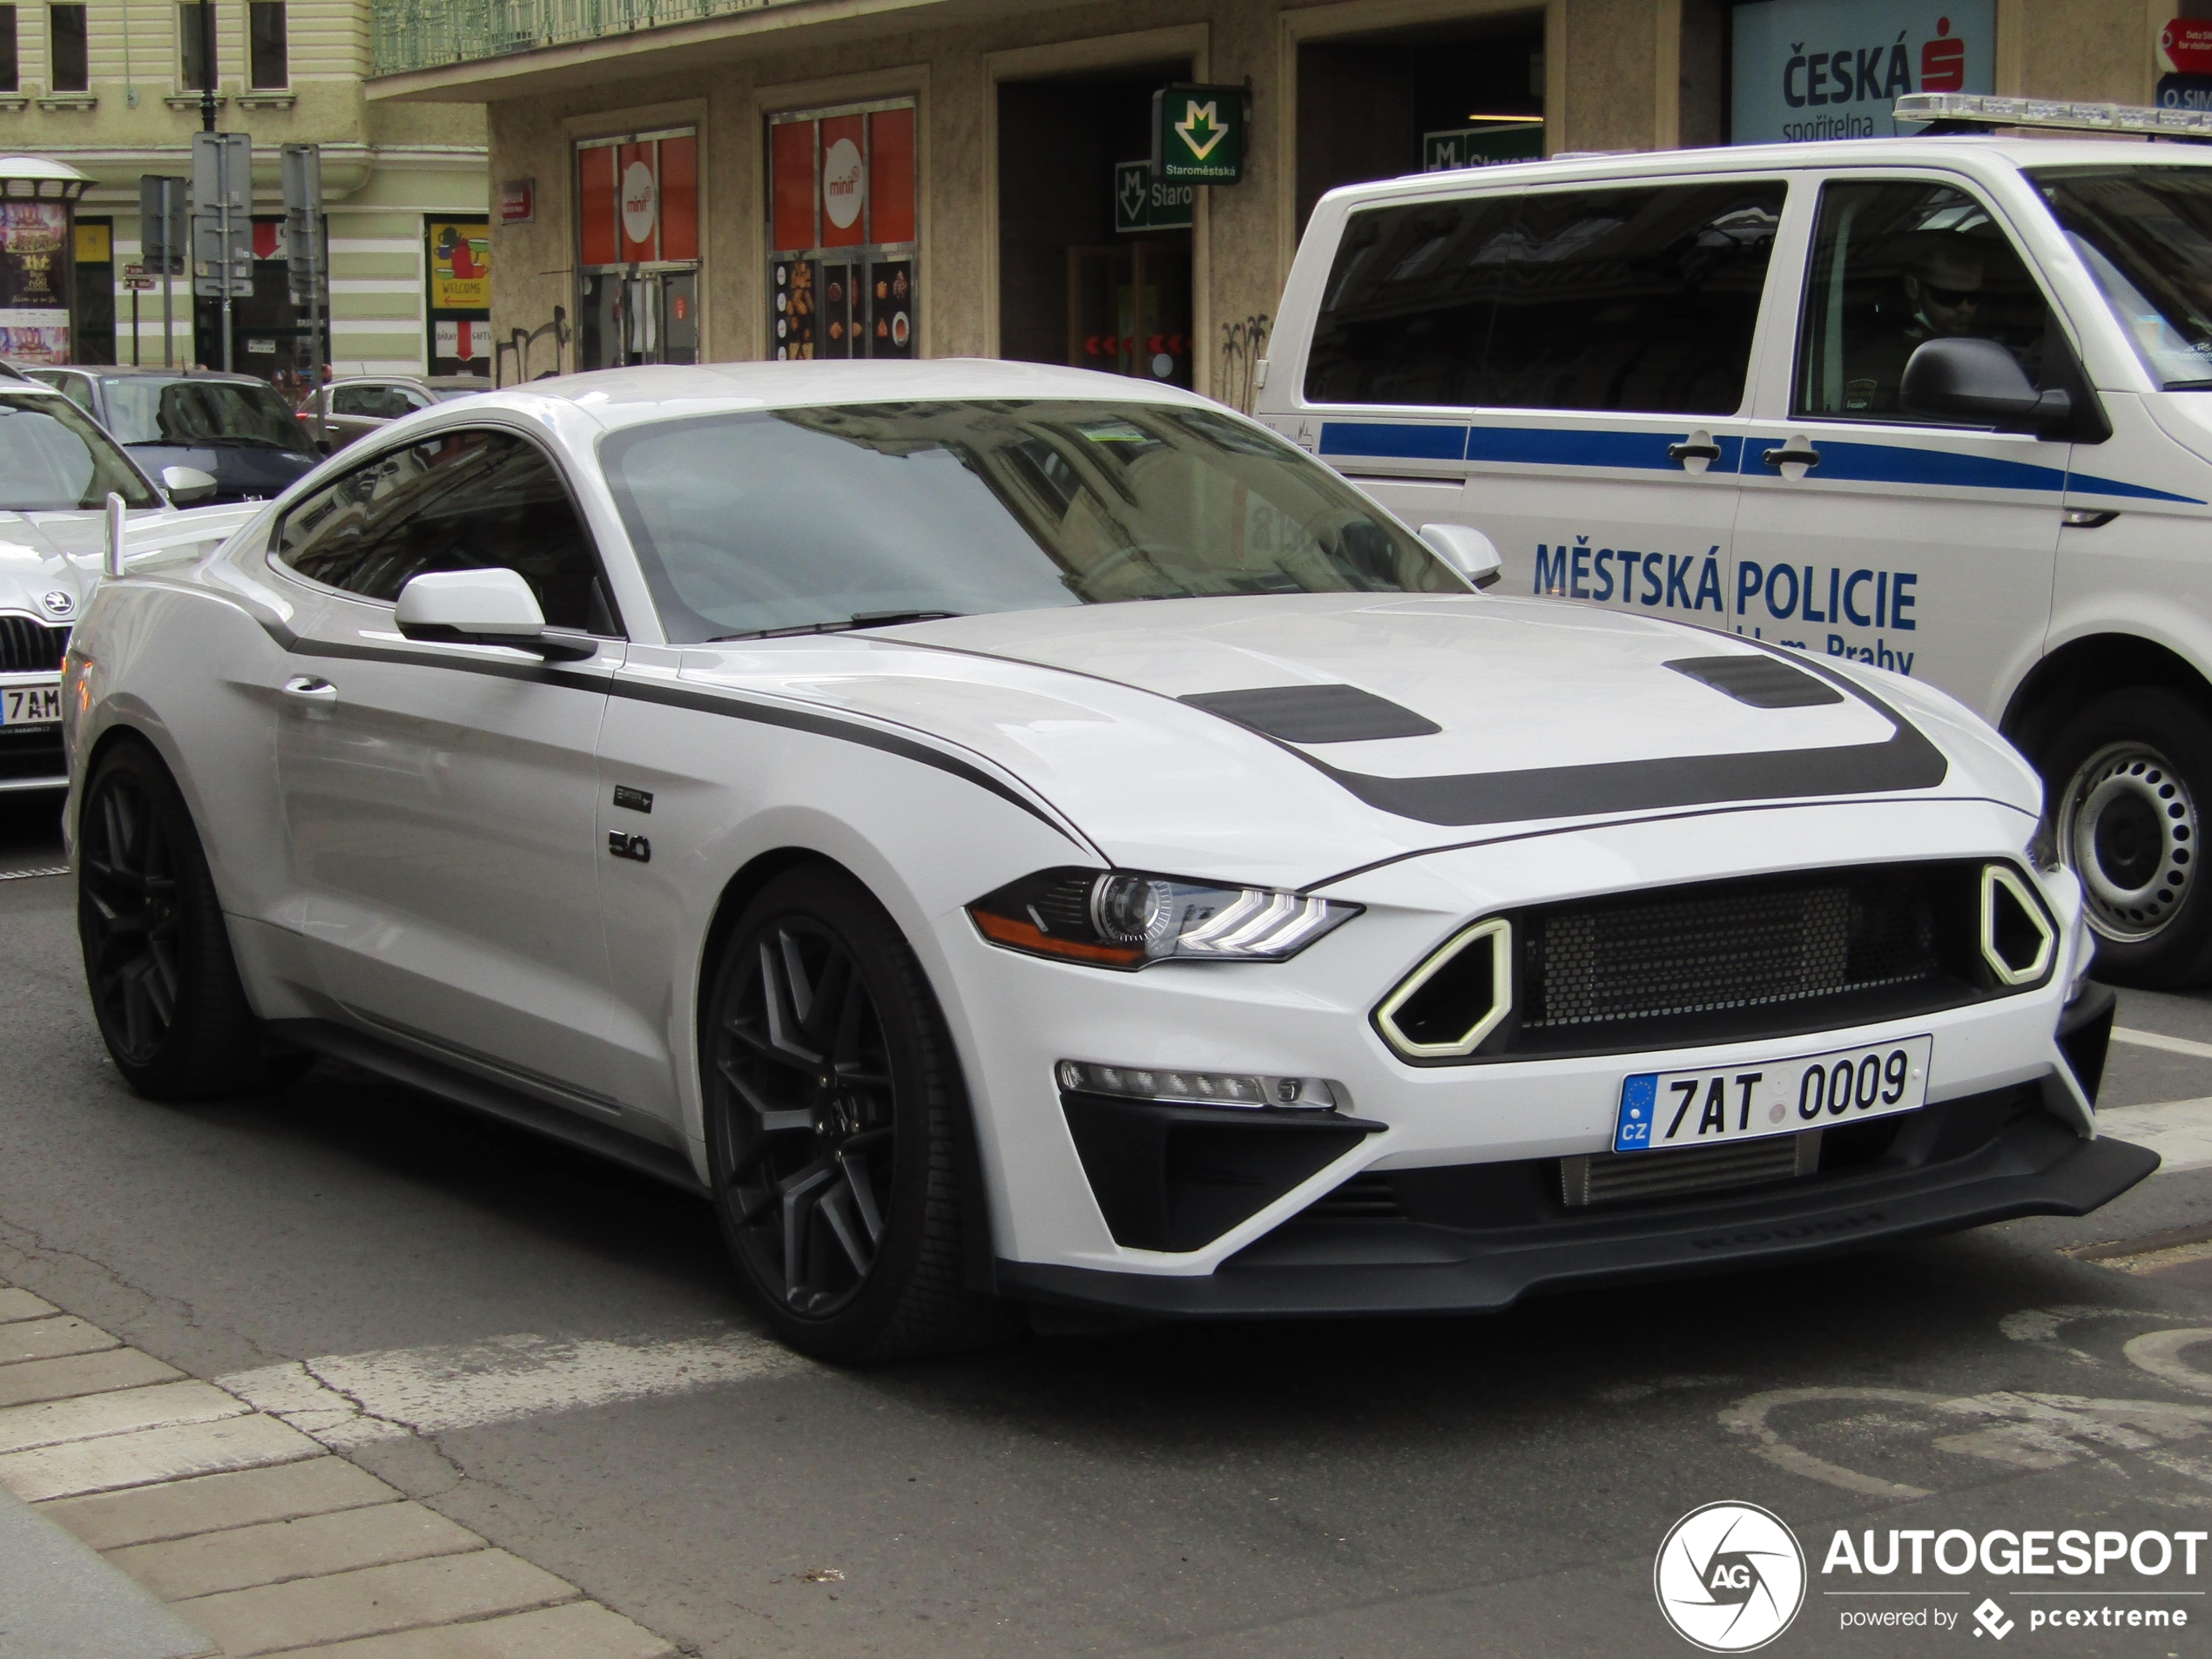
{"points": [[1791, 455], [305, 688], [1707, 451]]}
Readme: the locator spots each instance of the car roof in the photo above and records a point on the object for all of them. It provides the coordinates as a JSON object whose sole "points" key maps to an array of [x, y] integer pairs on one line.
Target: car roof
{"points": [[125, 371], [1761, 157], [620, 397]]}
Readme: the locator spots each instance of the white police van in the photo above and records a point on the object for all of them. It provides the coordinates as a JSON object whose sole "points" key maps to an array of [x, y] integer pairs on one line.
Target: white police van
{"points": [[1942, 405]]}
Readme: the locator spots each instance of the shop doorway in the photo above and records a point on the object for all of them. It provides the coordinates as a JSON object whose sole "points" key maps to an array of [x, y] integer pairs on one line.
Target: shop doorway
{"points": [[1380, 106], [1080, 283], [653, 317], [637, 249]]}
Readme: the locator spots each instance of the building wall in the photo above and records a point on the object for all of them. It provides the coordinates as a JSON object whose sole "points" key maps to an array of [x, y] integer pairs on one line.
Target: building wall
{"points": [[385, 166], [1619, 74]]}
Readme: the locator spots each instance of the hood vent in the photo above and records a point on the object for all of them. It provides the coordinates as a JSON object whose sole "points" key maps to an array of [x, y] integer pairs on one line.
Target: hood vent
{"points": [[1317, 713], [1763, 682]]}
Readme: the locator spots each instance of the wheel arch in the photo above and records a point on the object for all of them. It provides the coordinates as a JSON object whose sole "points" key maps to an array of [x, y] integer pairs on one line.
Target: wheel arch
{"points": [[737, 892], [2089, 667]]}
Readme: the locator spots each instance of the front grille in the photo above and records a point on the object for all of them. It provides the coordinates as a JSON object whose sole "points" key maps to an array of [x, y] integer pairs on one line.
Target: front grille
{"points": [[1618, 1177], [1365, 1197], [1727, 945], [34, 752], [29, 646]]}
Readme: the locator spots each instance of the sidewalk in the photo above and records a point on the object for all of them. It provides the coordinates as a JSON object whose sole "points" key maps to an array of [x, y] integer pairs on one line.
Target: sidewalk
{"points": [[257, 1537]]}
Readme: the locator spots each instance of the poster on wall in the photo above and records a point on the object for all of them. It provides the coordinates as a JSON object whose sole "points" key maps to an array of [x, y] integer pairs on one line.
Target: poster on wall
{"points": [[34, 295], [843, 223], [1807, 69], [459, 302]]}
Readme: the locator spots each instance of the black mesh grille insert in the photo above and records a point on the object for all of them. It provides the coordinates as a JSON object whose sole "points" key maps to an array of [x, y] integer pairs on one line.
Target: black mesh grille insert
{"points": [[28, 646], [1729, 945]]}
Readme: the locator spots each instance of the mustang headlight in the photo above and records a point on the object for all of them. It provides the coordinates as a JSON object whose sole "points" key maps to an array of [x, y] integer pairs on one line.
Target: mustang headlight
{"points": [[1128, 920]]}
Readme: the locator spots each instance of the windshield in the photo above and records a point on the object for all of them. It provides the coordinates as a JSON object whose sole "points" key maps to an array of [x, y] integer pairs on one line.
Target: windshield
{"points": [[804, 519], [185, 412], [2146, 235], [54, 459]]}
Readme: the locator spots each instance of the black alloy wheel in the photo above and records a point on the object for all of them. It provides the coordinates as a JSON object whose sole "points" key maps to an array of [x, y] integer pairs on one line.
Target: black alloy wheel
{"points": [[158, 961], [2124, 778], [831, 1102]]}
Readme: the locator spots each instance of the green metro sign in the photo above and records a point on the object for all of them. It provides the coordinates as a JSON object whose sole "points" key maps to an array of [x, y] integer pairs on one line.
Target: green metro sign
{"points": [[1198, 134]]}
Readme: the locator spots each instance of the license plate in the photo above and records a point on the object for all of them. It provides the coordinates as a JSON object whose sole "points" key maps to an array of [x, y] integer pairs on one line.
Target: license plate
{"points": [[1664, 1110], [32, 704]]}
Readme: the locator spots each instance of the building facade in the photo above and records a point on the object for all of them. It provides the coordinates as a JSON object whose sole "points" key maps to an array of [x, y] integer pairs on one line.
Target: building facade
{"points": [[113, 87], [710, 179]]}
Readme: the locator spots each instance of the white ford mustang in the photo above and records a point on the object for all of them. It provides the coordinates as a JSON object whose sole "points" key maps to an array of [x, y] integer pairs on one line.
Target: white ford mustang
{"points": [[767, 776]]}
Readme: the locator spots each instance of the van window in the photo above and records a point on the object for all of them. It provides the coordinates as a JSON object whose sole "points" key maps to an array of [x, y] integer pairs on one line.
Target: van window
{"points": [[1895, 263], [2146, 235], [1641, 299]]}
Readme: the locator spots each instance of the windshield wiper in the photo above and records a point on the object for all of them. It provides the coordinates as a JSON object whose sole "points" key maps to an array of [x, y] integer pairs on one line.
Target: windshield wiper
{"points": [[862, 619]]}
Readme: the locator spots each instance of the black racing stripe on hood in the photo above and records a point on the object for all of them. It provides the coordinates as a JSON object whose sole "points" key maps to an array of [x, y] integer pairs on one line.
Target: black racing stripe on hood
{"points": [[1315, 713], [1906, 759]]}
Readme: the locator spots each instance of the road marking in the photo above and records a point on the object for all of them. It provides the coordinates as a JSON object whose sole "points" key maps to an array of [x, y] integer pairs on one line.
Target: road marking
{"points": [[2180, 1131], [356, 1399], [2160, 1039]]}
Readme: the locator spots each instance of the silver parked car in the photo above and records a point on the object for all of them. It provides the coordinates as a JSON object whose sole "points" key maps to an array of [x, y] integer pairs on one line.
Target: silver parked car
{"points": [[359, 404]]}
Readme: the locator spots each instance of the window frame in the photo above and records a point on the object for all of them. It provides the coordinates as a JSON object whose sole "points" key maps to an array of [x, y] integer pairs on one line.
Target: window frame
{"points": [[1801, 315], [384, 451], [254, 81], [189, 43], [1783, 180], [84, 80], [12, 58]]}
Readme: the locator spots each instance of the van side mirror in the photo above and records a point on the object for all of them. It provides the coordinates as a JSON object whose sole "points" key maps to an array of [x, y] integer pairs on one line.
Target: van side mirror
{"points": [[1466, 550], [489, 607], [186, 485], [1978, 380]]}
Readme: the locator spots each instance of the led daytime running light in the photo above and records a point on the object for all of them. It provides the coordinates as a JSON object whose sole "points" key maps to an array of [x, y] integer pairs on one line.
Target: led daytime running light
{"points": [[1198, 1088]]}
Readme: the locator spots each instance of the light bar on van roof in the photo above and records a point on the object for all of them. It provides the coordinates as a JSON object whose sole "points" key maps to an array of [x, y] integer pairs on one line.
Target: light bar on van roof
{"points": [[1987, 110]]}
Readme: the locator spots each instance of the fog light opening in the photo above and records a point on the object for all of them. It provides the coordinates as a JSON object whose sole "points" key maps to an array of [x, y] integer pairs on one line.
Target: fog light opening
{"points": [[1456, 998], [2017, 942]]}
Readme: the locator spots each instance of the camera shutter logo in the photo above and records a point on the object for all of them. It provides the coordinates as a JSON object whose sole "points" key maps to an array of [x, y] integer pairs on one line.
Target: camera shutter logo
{"points": [[1730, 1577]]}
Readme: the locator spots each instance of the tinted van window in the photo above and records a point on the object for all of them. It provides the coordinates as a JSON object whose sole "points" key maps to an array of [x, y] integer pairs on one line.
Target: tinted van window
{"points": [[1632, 300], [464, 501]]}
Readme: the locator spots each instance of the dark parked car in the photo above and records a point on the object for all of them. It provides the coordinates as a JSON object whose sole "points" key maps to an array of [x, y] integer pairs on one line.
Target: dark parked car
{"points": [[234, 428]]}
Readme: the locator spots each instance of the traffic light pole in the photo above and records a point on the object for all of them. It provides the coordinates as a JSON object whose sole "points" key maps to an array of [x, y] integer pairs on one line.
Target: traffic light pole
{"points": [[168, 267]]}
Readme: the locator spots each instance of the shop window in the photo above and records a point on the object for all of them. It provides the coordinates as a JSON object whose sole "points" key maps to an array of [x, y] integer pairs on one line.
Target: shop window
{"points": [[842, 272], [269, 66], [9, 81], [196, 46], [638, 253], [1628, 300], [72, 72]]}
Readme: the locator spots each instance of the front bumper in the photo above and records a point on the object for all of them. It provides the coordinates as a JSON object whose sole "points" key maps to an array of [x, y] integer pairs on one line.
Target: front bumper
{"points": [[1476, 1238]]}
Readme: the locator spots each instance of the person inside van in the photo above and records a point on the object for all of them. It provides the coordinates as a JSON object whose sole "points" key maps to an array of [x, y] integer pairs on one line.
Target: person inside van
{"points": [[1940, 284]]}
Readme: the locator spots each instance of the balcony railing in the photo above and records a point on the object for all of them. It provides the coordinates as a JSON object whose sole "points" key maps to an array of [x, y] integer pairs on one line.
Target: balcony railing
{"points": [[431, 34]]}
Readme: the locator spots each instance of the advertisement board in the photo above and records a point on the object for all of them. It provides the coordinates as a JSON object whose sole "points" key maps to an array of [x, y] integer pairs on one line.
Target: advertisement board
{"points": [[1807, 69], [34, 278]]}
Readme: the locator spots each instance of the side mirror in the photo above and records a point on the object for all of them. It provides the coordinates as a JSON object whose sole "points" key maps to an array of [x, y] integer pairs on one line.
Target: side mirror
{"points": [[186, 485], [1468, 551], [1980, 381], [490, 607]]}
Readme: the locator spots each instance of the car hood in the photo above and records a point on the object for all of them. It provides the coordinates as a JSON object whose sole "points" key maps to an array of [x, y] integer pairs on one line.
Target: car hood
{"points": [[1385, 724], [48, 561]]}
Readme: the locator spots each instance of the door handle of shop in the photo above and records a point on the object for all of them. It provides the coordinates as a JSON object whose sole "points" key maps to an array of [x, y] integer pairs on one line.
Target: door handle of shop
{"points": [[308, 689], [1681, 452], [1788, 456]]}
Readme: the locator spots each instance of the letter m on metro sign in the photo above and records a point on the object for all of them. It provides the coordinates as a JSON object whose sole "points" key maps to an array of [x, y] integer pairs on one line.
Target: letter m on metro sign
{"points": [[1199, 135]]}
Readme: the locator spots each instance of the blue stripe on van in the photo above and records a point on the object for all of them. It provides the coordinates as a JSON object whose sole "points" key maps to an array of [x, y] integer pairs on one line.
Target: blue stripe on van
{"points": [[1393, 441], [1878, 463]]}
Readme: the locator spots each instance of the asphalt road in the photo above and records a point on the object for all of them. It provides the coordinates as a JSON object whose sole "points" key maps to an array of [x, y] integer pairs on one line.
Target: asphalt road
{"points": [[1490, 1486]]}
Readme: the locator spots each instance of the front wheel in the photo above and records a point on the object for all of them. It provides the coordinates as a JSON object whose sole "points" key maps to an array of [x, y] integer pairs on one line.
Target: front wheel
{"points": [[2126, 776], [157, 958], [831, 1101]]}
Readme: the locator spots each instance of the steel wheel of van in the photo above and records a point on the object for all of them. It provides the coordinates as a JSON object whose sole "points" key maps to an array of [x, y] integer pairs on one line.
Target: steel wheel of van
{"points": [[2126, 775]]}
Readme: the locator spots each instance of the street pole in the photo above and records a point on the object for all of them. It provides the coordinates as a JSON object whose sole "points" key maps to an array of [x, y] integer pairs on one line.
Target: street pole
{"points": [[168, 266], [223, 217], [134, 327]]}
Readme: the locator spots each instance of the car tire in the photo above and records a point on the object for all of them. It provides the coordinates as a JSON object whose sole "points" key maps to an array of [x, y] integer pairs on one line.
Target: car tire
{"points": [[835, 1110], [2127, 780], [165, 985]]}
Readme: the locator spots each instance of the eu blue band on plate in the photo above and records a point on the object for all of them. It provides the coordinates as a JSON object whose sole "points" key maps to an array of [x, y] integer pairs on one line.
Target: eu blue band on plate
{"points": [[1639, 1095]]}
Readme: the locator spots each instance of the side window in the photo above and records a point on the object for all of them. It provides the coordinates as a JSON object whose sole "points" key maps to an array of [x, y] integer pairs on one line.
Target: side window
{"points": [[357, 400], [1896, 263], [1641, 299], [464, 501], [75, 388]]}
